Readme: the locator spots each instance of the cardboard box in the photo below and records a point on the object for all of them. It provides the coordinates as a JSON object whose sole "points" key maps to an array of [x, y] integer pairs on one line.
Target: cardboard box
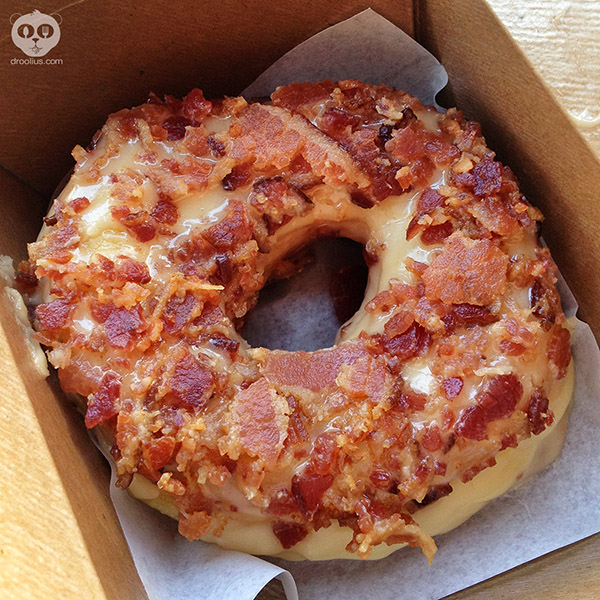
{"points": [[59, 535]]}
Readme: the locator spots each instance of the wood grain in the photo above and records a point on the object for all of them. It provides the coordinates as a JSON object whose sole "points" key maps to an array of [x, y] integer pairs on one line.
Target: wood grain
{"points": [[561, 40]]}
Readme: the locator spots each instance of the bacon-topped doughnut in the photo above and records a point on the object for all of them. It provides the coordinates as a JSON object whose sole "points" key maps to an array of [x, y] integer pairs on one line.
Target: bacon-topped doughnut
{"points": [[458, 359]]}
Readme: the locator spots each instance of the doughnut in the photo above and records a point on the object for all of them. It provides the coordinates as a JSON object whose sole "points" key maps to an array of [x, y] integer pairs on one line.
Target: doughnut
{"points": [[449, 385]]}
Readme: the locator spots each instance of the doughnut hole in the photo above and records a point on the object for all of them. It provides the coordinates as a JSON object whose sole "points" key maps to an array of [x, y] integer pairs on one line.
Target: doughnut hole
{"points": [[306, 311]]}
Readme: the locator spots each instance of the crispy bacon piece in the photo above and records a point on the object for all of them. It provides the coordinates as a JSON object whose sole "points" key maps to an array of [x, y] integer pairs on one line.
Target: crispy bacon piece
{"points": [[485, 178], [103, 404], [122, 325], [160, 451], [289, 533], [308, 489], [314, 371], [191, 384], [559, 349], [497, 401], [466, 271], [260, 433], [54, 315], [467, 315], [452, 387], [413, 341], [434, 234], [537, 412]]}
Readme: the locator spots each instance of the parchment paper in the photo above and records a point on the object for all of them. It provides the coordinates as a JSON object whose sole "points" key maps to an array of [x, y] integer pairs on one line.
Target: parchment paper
{"points": [[553, 509]]}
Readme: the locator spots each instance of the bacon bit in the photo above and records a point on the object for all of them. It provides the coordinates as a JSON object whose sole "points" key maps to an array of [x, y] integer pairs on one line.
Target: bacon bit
{"points": [[216, 146], [138, 222], [415, 266], [485, 178], [439, 467], [510, 440], [315, 371], [511, 348], [66, 236], [336, 120], [102, 405], [265, 133], [25, 279], [191, 384], [211, 315], [498, 400], [238, 177], [559, 350], [365, 379], [361, 199], [428, 201], [234, 229], [51, 220], [195, 106], [282, 502], [411, 401], [178, 312], [296, 95], [165, 212], [371, 253], [411, 343], [324, 452], [273, 188], [406, 145], [384, 301], [435, 234], [121, 325], [160, 451], [493, 215], [466, 271], [79, 204], [54, 315], [382, 480], [432, 440], [385, 134], [470, 473], [288, 533], [222, 341], [175, 127], [452, 387], [467, 315], [260, 433], [435, 493], [500, 397], [132, 270], [194, 526], [398, 323], [472, 423], [224, 268], [537, 412], [296, 430], [308, 491], [100, 312]]}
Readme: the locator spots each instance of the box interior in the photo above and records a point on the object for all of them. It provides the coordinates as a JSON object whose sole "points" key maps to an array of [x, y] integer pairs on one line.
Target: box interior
{"points": [[114, 54]]}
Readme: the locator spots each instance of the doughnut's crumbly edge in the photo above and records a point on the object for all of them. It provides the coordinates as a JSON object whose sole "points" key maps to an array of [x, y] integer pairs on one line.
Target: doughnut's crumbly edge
{"points": [[513, 467]]}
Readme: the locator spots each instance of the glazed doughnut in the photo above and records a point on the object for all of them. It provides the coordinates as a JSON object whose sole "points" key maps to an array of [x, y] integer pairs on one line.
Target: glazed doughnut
{"points": [[457, 362]]}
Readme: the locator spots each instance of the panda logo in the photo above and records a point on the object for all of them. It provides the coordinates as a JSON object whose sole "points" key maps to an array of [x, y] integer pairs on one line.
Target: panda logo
{"points": [[35, 33]]}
